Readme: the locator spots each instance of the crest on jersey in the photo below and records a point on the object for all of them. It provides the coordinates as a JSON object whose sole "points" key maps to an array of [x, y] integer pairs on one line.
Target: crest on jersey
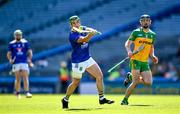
{"points": [[19, 51]]}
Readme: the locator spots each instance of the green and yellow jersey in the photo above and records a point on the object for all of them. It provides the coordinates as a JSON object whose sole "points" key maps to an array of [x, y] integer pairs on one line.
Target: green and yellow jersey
{"points": [[142, 38]]}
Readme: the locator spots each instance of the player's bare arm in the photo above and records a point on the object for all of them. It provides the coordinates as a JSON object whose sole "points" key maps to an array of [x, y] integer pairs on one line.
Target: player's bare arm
{"points": [[128, 47], [152, 55], [86, 38], [9, 56], [29, 58], [30, 54]]}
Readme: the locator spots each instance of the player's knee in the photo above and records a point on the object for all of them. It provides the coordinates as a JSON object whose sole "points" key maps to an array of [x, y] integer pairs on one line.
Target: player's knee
{"points": [[25, 77], [18, 79], [76, 83], [132, 85], [135, 81], [99, 77]]}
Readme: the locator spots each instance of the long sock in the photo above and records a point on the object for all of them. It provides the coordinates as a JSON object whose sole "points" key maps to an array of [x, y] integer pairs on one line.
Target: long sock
{"points": [[125, 99], [66, 98], [101, 95], [17, 92]]}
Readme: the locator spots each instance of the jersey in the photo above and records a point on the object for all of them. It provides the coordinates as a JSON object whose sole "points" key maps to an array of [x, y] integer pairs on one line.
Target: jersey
{"points": [[19, 50], [142, 38], [80, 51]]}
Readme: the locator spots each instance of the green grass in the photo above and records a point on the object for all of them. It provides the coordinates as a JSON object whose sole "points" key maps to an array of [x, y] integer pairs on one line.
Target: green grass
{"points": [[87, 104]]}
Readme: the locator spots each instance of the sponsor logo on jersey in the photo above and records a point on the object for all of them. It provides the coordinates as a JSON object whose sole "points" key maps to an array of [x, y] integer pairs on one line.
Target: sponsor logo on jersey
{"points": [[19, 51], [140, 35], [145, 42]]}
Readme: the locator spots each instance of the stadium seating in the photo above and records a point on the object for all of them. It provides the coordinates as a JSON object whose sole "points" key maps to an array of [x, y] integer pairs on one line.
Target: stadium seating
{"points": [[47, 21]]}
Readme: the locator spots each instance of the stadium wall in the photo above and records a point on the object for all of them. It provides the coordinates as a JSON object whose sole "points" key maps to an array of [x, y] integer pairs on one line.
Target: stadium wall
{"points": [[49, 84]]}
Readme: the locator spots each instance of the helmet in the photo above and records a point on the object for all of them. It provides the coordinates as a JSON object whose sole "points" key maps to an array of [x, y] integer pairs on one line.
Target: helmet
{"points": [[18, 31], [73, 18]]}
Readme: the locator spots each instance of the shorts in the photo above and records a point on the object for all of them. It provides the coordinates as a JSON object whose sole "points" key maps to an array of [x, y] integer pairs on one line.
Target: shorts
{"points": [[79, 68], [138, 65], [20, 66]]}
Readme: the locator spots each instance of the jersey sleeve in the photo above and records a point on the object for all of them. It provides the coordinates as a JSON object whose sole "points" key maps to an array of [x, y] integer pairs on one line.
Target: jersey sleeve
{"points": [[132, 37], [74, 36]]}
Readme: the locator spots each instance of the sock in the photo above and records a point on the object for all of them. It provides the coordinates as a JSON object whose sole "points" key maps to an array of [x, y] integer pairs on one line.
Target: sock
{"points": [[101, 95], [17, 92], [26, 92], [125, 99], [66, 98]]}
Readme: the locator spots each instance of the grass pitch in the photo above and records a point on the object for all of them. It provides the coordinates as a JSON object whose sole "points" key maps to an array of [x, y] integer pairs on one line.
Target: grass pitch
{"points": [[88, 104]]}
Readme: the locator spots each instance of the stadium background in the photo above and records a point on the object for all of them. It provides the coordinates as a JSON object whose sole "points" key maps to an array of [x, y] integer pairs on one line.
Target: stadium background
{"points": [[45, 26]]}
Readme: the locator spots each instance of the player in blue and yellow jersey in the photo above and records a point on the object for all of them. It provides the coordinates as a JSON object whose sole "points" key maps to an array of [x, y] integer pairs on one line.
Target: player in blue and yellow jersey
{"points": [[82, 60], [139, 65], [19, 55]]}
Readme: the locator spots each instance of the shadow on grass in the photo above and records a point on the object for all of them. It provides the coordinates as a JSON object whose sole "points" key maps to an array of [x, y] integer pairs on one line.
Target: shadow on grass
{"points": [[82, 109], [140, 105]]}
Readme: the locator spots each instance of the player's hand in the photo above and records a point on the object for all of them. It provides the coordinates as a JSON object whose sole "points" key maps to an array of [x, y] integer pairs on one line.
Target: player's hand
{"points": [[155, 59], [11, 61], [31, 65], [130, 54], [93, 32]]}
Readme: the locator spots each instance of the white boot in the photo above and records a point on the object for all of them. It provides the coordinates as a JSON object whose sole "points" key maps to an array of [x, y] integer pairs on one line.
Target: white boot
{"points": [[28, 95]]}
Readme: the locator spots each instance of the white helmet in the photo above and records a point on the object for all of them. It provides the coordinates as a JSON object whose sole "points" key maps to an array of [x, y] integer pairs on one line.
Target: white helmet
{"points": [[18, 31]]}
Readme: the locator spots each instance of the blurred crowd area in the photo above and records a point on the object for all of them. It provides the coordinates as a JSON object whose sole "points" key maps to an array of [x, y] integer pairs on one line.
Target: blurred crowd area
{"points": [[169, 65]]}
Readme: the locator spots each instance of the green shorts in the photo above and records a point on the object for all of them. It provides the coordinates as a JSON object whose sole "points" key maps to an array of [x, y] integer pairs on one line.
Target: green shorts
{"points": [[138, 65]]}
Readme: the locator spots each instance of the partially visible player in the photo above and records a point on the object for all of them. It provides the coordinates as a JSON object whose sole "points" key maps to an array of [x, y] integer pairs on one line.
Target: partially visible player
{"points": [[82, 61], [20, 55], [139, 65]]}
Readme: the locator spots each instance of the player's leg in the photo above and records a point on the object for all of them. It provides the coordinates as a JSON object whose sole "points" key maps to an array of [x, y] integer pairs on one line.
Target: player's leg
{"points": [[147, 77], [25, 80], [136, 65], [77, 71], [135, 81], [96, 72], [71, 88], [17, 83], [146, 74], [25, 75], [128, 79], [135, 72]]}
